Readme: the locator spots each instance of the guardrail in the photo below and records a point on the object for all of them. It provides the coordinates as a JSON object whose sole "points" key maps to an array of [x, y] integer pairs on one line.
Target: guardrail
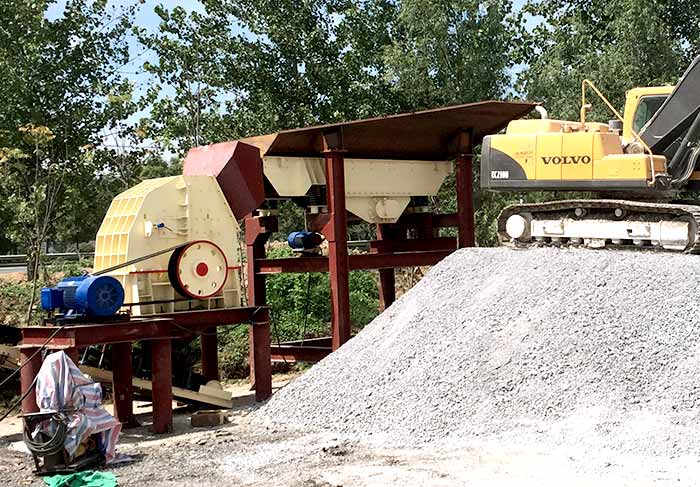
{"points": [[21, 259]]}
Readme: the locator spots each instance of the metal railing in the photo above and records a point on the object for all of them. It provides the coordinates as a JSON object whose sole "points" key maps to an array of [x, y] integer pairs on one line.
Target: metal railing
{"points": [[21, 259]]}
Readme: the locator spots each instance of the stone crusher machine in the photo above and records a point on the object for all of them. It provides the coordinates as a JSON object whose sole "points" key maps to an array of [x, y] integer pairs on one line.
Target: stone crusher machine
{"points": [[173, 244], [195, 216], [637, 165]]}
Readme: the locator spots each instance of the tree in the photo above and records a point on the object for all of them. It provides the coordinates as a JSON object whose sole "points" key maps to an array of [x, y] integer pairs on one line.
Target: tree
{"points": [[449, 52], [190, 50], [617, 44], [35, 187], [253, 66], [61, 87]]}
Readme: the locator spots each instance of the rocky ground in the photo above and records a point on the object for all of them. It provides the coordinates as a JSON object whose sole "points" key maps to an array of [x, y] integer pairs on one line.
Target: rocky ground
{"points": [[529, 368], [241, 454]]}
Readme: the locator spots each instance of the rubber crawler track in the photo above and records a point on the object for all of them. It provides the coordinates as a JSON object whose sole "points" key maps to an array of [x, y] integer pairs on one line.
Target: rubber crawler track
{"points": [[642, 210]]}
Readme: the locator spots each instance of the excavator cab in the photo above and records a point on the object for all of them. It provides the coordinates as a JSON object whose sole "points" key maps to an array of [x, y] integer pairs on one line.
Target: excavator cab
{"points": [[641, 104]]}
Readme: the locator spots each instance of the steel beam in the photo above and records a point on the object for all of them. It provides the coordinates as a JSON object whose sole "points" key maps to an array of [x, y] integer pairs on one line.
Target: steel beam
{"points": [[311, 342], [80, 336], [122, 387], [465, 191], [26, 377], [209, 348], [356, 262], [386, 241], [414, 245], [257, 232], [295, 353], [337, 237], [162, 380], [393, 261], [188, 323], [261, 363]]}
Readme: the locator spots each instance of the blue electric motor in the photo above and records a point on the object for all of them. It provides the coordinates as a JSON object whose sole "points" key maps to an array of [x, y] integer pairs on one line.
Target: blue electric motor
{"points": [[304, 240], [85, 296]]}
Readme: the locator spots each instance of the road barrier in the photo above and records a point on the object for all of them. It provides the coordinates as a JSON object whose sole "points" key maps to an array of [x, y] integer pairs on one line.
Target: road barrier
{"points": [[21, 259]]}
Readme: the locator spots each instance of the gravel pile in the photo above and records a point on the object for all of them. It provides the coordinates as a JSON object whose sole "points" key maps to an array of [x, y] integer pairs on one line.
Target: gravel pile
{"points": [[597, 347]]}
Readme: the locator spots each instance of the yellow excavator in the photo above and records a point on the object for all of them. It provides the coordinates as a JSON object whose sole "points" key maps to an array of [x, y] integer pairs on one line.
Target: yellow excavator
{"points": [[636, 166]]}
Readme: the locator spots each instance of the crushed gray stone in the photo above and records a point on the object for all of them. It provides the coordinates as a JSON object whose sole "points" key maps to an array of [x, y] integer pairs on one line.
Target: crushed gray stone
{"points": [[597, 349]]}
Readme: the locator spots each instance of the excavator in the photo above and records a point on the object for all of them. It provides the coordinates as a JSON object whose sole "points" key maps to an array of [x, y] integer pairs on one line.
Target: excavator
{"points": [[635, 167]]}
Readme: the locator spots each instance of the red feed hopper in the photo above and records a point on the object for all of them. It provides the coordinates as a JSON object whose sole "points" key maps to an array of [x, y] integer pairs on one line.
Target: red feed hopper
{"points": [[238, 170]]}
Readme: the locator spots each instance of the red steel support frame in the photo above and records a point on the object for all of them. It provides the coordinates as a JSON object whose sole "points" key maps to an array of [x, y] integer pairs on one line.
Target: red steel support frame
{"points": [[159, 332], [465, 192], [258, 231], [209, 348], [337, 236], [162, 381], [122, 386], [387, 277], [412, 241], [27, 375]]}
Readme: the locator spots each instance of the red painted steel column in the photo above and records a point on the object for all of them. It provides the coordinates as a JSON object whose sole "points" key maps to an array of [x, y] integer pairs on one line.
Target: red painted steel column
{"points": [[338, 264], [26, 378], [122, 386], [209, 348], [259, 335], [74, 355], [162, 380], [387, 277], [261, 365], [465, 194]]}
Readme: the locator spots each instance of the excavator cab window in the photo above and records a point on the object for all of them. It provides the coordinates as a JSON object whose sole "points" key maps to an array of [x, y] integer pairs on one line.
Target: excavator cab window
{"points": [[646, 108]]}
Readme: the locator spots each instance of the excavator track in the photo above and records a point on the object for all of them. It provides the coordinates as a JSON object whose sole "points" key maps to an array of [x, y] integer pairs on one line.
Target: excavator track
{"points": [[603, 223]]}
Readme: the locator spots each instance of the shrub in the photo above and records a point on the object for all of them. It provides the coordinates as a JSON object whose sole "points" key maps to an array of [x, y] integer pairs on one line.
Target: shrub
{"points": [[14, 301], [66, 268]]}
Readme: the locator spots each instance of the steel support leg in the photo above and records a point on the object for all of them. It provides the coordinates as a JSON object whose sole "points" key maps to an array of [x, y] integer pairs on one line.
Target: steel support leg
{"points": [[387, 277], [26, 377], [210, 359], [257, 234], [162, 385], [465, 195], [122, 374], [337, 237], [261, 364], [74, 355]]}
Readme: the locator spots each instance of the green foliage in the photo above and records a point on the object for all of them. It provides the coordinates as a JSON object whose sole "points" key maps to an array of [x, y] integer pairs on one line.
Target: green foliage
{"points": [[449, 52], [244, 67], [233, 352], [14, 300], [301, 302], [617, 44], [61, 87], [67, 268]]}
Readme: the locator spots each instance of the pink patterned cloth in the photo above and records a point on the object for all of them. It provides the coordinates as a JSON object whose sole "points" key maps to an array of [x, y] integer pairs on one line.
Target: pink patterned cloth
{"points": [[60, 385]]}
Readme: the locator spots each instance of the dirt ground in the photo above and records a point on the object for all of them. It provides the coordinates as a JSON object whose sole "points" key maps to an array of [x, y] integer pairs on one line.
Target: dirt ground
{"points": [[241, 454], [238, 454]]}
